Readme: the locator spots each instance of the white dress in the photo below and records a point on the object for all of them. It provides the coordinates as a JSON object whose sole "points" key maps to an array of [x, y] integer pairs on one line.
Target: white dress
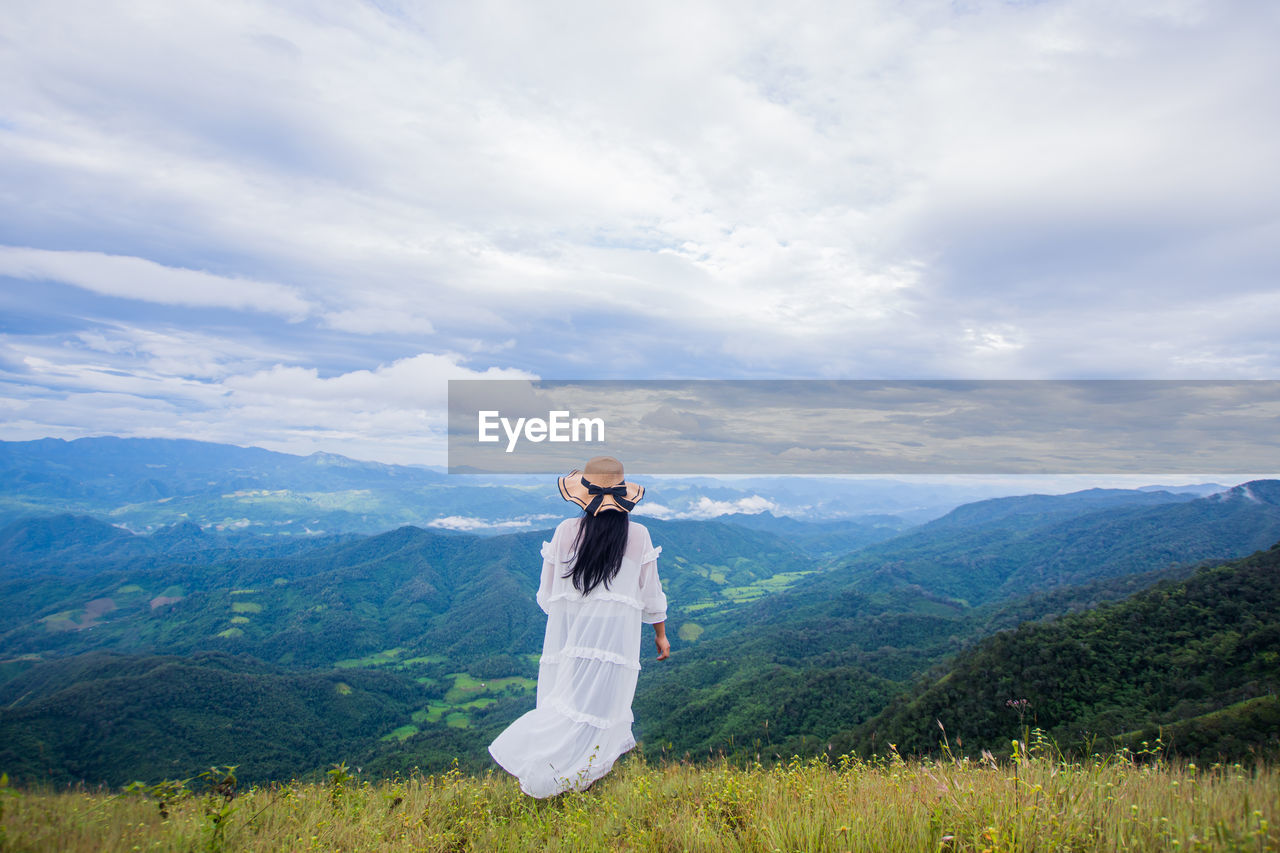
{"points": [[587, 675]]}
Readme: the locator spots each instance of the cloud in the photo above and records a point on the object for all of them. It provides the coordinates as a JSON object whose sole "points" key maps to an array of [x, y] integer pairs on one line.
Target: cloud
{"points": [[881, 189], [420, 381], [138, 278], [138, 382], [706, 507], [376, 319], [469, 523]]}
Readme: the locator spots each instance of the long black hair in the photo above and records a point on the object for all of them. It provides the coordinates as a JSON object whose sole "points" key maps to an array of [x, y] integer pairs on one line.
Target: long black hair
{"points": [[598, 549]]}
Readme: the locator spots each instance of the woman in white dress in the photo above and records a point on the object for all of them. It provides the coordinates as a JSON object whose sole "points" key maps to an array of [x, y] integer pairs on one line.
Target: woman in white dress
{"points": [[599, 584]]}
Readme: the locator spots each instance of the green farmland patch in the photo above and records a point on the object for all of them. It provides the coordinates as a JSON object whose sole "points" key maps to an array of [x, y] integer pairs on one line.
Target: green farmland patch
{"points": [[765, 586], [690, 632], [382, 658], [701, 605], [422, 660], [402, 733], [741, 594], [469, 694], [464, 687], [64, 621]]}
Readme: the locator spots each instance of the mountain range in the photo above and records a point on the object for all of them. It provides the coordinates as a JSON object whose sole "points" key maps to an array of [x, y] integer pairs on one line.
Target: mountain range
{"points": [[147, 484], [415, 646]]}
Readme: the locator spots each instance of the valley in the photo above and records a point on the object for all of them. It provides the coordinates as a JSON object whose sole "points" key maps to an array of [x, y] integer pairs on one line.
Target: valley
{"points": [[414, 646]]}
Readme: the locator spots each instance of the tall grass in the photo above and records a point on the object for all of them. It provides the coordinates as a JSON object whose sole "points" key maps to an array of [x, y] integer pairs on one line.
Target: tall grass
{"points": [[1032, 802]]}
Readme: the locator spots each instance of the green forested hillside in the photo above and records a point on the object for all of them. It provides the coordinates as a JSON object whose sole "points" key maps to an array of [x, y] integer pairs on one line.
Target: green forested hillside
{"points": [[457, 597], [775, 651], [891, 611], [1011, 546], [1200, 657], [448, 621], [115, 718]]}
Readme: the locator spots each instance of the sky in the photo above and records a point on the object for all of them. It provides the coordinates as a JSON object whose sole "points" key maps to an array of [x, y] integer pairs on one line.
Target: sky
{"points": [[289, 224]]}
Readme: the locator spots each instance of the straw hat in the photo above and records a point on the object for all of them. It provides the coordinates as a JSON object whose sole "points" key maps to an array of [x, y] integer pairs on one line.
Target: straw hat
{"points": [[600, 486]]}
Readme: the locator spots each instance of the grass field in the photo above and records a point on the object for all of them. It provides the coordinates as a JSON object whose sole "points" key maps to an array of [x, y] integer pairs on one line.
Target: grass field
{"points": [[1030, 803]]}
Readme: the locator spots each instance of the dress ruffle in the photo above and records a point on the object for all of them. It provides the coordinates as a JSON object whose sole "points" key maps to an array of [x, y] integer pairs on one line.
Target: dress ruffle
{"points": [[572, 750], [596, 595], [562, 707], [587, 653]]}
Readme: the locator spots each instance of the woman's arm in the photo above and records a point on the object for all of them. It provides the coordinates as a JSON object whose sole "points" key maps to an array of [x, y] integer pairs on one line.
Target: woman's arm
{"points": [[660, 640]]}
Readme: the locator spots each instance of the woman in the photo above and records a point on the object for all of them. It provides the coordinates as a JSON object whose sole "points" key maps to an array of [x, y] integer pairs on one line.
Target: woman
{"points": [[599, 583]]}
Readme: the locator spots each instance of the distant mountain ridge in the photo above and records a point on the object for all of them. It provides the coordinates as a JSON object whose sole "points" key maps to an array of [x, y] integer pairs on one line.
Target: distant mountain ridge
{"points": [[823, 538], [130, 467], [1254, 491], [1011, 545], [147, 484], [1037, 509], [72, 543]]}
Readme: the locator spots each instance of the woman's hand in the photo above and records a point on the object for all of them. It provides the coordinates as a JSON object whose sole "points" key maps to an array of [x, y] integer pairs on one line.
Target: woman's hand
{"points": [[660, 640]]}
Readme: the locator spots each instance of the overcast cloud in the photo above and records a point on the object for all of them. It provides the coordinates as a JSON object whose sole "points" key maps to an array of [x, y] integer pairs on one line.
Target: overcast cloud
{"points": [[289, 224]]}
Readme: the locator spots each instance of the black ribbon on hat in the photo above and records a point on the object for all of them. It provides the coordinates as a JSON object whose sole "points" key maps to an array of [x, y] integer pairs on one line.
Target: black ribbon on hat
{"points": [[619, 493]]}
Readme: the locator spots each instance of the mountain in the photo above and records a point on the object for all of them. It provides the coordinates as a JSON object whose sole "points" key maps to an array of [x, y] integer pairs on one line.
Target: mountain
{"points": [[69, 544], [102, 717], [58, 537], [449, 621], [407, 587], [1001, 548], [892, 610], [777, 650], [822, 538], [1199, 658], [146, 484], [311, 602]]}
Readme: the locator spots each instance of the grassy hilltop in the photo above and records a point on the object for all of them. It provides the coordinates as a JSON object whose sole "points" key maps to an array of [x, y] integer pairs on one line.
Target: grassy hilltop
{"points": [[1036, 801]]}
